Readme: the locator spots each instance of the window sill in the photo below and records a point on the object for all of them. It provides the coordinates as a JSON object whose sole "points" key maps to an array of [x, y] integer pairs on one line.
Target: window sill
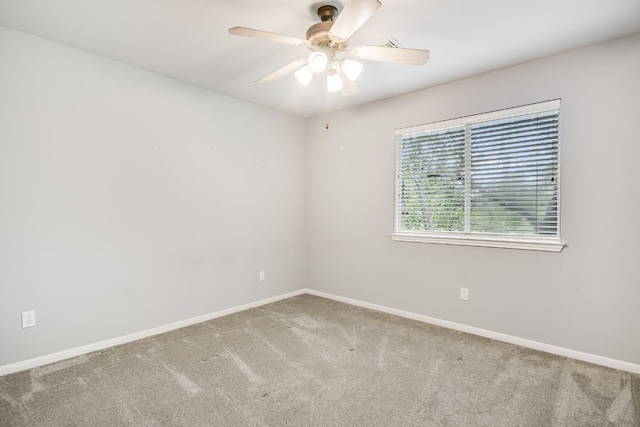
{"points": [[547, 245]]}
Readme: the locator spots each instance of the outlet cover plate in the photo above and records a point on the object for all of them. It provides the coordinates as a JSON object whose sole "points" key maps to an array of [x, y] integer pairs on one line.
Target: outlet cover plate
{"points": [[28, 319]]}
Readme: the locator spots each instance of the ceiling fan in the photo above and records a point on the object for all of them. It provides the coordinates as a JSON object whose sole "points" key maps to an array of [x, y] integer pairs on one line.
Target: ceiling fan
{"points": [[329, 38]]}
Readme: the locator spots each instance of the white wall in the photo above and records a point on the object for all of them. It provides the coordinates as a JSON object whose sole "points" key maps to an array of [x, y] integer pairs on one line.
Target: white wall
{"points": [[130, 201], [584, 299]]}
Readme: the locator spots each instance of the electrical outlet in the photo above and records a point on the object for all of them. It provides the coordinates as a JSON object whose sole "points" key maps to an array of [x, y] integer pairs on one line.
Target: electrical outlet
{"points": [[261, 276], [464, 294], [28, 319]]}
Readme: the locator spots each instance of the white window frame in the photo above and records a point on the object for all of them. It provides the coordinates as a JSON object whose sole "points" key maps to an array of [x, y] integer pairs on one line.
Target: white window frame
{"points": [[537, 243]]}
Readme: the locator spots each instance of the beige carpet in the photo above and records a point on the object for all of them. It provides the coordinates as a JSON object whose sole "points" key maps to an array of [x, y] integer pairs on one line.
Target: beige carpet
{"points": [[309, 361]]}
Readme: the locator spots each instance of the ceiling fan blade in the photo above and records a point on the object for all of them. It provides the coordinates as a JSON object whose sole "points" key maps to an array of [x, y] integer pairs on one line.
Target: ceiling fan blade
{"points": [[391, 54], [354, 14], [265, 35], [289, 68]]}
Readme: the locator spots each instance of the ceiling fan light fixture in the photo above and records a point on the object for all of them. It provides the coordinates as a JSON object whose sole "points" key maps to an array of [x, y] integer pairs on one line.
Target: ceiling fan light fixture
{"points": [[318, 61], [304, 75], [334, 82], [328, 39], [352, 69]]}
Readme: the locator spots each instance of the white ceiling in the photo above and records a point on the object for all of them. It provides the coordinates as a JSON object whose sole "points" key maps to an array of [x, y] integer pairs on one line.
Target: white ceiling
{"points": [[188, 40]]}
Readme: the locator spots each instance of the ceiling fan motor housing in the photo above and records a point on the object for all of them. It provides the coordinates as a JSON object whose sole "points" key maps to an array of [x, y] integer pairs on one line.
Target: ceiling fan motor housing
{"points": [[318, 34]]}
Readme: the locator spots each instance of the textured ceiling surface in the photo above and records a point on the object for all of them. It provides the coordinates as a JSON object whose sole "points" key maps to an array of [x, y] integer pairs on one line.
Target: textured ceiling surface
{"points": [[188, 40]]}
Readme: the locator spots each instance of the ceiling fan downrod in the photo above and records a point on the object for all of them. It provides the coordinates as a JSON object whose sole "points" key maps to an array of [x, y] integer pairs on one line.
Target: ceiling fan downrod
{"points": [[327, 13]]}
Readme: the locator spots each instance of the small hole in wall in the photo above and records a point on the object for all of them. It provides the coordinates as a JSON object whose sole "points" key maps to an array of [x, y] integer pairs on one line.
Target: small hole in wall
{"points": [[326, 125]]}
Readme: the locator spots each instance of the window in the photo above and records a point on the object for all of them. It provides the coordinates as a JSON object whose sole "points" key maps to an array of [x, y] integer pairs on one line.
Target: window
{"points": [[485, 180]]}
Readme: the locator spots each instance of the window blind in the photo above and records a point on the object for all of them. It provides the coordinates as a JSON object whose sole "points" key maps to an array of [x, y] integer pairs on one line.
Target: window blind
{"points": [[495, 174], [514, 175], [431, 180]]}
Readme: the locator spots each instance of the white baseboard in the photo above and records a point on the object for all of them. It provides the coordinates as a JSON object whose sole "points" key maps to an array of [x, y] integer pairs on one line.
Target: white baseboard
{"points": [[547, 348], [560, 351], [78, 351]]}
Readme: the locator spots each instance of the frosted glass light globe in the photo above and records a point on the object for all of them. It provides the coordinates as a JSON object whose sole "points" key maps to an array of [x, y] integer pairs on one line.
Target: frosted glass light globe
{"points": [[334, 82], [352, 69], [318, 61], [304, 75]]}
